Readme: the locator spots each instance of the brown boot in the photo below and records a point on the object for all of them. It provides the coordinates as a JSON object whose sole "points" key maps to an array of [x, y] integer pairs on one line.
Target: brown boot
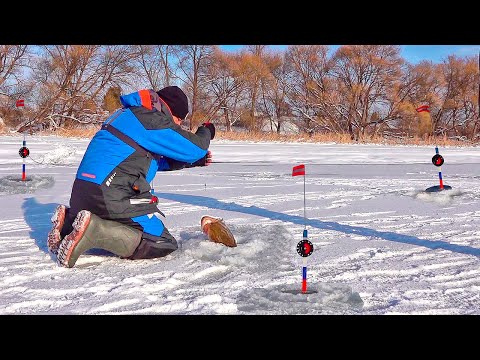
{"points": [[54, 238]]}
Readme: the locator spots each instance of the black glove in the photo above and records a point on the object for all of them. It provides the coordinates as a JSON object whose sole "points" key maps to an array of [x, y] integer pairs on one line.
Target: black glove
{"points": [[210, 127], [208, 158]]}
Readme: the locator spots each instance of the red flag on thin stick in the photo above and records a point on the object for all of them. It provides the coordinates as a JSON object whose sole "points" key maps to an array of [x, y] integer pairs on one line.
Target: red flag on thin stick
{"points": [[298, 170], [20, 102], [423, 108]]}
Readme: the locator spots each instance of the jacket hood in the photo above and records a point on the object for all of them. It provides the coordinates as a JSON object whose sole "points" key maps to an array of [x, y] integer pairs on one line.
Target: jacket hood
{"points": [[145, 98]]}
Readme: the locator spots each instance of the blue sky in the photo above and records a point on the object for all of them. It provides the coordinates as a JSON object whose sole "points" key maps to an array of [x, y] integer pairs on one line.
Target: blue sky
{"points": [[411, 53]]}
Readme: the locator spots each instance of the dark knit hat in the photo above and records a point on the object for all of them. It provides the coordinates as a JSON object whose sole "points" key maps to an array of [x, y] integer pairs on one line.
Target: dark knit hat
{"points": [[175, 99]]}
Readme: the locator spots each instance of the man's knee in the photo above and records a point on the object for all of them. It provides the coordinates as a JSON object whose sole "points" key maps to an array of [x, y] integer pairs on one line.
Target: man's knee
{"points": [[153, 246]]}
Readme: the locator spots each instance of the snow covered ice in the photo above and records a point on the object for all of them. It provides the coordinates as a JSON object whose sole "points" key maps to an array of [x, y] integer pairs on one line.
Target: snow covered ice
{"points": [[13, 184], [382, 245]]}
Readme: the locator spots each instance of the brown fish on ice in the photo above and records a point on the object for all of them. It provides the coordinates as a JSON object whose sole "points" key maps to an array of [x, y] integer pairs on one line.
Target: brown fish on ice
{"points": [[217, 231]]}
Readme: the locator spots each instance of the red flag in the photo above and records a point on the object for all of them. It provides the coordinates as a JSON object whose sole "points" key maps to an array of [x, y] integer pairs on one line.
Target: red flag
{"points": [[423, 108], [20, 102], [298, 170]]}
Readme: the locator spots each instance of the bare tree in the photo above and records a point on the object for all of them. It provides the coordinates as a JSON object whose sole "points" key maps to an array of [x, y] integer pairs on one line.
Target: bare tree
{"points": [[450, 89], [154, 63], [310, 92], [458, 111], [257, 71], [191, 69], [14, 65], [13, 60], [365, 75], [75, 78], [362, 90], [227, 85], [274, 92]]}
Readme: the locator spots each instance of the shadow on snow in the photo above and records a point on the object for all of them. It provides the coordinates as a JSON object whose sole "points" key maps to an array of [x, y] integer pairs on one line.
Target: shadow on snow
{"points": [[37, 216], [325, 225]]}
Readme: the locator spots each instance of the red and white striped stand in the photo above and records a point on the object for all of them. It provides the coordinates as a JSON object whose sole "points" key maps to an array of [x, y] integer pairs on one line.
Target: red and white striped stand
{"points": [[304, 249], [23, 152], [438, 161]]}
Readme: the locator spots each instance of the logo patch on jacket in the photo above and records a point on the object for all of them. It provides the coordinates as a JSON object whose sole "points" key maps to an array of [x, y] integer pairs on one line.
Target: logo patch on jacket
{"points": [[91, 176], [109, 180]]}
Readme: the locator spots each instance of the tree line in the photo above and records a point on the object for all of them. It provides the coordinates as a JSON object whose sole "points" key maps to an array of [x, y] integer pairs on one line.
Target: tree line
{"points": [[359, 90]]}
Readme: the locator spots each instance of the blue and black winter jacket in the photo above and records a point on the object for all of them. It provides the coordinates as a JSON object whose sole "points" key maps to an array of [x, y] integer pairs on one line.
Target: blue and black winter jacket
{"points": [[113, 179]]}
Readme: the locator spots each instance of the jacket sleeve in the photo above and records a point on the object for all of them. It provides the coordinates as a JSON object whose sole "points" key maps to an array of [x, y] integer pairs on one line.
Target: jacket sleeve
{"points": [[168, 164], [157, 133]]}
